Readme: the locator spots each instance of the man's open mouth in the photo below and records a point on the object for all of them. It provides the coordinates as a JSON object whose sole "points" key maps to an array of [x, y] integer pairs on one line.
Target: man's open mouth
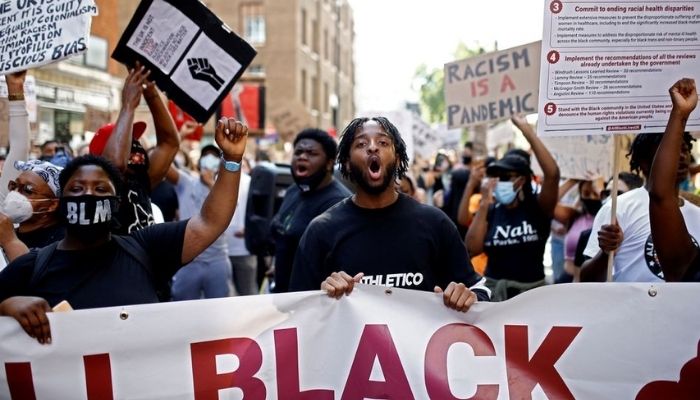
{"points": [[375, 169], [301, 171]]}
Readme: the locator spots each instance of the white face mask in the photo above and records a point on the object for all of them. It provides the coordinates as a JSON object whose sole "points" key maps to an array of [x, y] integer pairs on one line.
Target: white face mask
{"points": [[17, 207], [210, 162]]}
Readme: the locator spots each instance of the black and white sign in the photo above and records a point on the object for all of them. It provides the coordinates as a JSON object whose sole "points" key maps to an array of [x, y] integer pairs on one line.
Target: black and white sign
{"points": [[39, 32], [192, 54]]}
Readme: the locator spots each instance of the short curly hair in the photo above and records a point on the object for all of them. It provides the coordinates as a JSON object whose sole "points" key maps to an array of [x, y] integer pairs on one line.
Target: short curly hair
{"points": [[330, 147], [112, 172], [643, 149], [349, 136]]}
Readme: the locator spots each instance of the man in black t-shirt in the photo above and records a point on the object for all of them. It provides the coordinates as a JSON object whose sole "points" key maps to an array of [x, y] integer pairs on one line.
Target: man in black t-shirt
{"points": [[315, 190], [379, 236], [92, 268]]}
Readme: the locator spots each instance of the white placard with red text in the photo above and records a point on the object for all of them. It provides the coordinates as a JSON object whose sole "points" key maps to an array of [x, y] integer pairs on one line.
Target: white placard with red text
{"points": [[585, 341], [607, 66]]}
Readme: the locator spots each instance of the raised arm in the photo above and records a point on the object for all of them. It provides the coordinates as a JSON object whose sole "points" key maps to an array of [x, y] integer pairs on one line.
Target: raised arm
{"points": [[167, 136], [464, 216], [672, 242], [477, 230], [217, 210], [549, 195], [19, 129], [118, 146]]}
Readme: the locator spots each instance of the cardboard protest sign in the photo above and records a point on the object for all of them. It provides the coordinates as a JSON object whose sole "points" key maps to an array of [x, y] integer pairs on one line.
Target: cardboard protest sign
{"points": [[582, 156], [191, 53], [607, 67], [493, 86], [34, 33]]}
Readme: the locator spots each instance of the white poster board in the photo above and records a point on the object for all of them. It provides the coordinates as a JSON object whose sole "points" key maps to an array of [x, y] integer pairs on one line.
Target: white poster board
{"points": [[607, 66], [580, 157], [575, 341], [492, 87], [35, 33]]}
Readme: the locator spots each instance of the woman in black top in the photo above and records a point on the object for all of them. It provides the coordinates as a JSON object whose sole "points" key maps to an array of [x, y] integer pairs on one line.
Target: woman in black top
{"points": [[513, 231]]}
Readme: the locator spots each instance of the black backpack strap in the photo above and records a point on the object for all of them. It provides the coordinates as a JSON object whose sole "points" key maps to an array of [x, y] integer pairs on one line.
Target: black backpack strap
{"points": [[137, 252], [134, 250], [41, 263]]}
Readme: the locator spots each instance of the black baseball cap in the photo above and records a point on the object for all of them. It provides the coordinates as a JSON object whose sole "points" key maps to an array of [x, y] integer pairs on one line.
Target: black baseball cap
{"points": [[509, 163]]}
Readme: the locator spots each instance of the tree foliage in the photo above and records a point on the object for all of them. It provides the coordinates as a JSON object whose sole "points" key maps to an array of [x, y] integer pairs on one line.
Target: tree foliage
{"points": [[431, 84]]}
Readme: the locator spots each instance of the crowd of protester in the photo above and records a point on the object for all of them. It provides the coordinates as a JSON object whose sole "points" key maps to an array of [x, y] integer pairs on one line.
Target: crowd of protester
{"points": [[114, 223]]}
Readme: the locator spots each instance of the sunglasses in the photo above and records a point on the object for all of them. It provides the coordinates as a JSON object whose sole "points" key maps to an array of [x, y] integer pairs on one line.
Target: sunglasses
{"points": [[508, 178]]}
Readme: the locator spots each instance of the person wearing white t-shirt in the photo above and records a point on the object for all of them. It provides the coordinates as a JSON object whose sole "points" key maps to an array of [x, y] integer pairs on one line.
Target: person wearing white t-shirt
{"points": [[631, 240]]}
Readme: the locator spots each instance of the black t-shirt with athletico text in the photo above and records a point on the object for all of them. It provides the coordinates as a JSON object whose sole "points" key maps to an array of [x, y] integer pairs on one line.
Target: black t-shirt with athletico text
{"points": [[406, 245]]}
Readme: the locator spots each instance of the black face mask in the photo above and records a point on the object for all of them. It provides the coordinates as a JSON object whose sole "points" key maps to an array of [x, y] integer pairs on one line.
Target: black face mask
{"points": [[466, 160], [592, 206], [88, 217], [311, 182]]}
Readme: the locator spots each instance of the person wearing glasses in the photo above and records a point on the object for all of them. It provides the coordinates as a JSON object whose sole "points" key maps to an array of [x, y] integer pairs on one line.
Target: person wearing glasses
{"points": [[31, 202], [513, 231]]}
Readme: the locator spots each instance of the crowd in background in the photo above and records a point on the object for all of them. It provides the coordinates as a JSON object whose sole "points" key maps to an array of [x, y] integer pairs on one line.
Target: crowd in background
{"points": [[515, 226]]}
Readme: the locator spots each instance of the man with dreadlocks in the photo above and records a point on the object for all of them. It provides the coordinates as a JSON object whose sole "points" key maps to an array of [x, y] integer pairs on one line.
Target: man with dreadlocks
{"points": [[381, 237], [631, 239]]}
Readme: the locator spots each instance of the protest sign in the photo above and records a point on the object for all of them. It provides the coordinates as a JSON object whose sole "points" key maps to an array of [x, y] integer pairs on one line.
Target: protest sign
{"points": [[592, 341], [607, 67], [493, 86], [580, 157], [192, 54], [35, 33]]}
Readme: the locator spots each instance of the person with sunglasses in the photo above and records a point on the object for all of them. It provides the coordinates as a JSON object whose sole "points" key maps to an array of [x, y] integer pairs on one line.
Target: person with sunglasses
{"points": [[513, 231]]}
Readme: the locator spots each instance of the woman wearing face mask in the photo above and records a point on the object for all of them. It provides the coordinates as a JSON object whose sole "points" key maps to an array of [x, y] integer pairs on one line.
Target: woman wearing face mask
{"points": [[315, 191], [32, 203], [578, 220], [513, 231], [90, 267]]}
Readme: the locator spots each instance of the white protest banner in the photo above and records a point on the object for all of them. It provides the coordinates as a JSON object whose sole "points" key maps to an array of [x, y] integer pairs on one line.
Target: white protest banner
{"points": [[583, 341], [580, 157], [493, 86], [607, 66], [39, 32], [192, 54]]}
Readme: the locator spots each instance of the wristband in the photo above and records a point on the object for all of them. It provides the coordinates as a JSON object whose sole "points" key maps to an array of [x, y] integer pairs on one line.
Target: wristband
{"points": [[231, 166], [15, 96]]}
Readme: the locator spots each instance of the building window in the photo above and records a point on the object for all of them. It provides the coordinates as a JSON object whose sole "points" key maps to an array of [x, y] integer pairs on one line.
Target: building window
{"points": [[325, 44], [253, 23], [304, 38], [315, 92], [95, 56], [256, 69], [315, 40], [325, 97], [304, 98]]}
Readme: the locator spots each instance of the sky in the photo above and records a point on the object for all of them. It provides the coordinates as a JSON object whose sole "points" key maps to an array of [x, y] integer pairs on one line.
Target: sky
{"points": [[393, 37]]}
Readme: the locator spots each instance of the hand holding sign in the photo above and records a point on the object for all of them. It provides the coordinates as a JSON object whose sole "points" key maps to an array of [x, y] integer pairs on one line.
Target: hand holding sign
{"points": [[231, 137], [684, 97], [15, 82], [133, 86]]}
